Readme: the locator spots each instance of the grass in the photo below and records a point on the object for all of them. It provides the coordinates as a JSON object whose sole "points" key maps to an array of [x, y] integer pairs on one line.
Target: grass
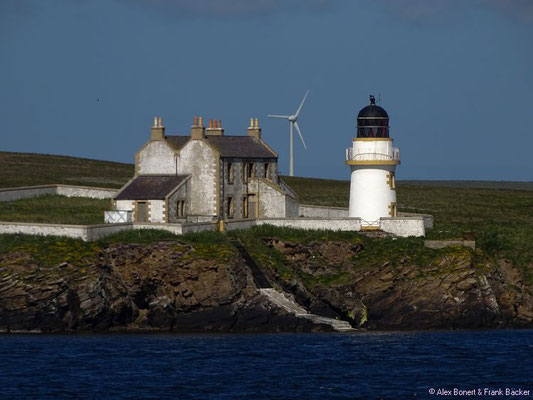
{"points": [[55, 209], [374, 253], [27, 169]]}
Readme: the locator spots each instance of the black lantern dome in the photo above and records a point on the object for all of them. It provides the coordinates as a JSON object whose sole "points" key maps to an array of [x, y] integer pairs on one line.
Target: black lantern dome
{"points": [[373, 121]]}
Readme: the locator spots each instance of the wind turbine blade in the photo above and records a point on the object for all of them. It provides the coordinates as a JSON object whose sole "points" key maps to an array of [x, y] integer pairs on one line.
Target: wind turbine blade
{"points": [[279, 116], [300, 133], [301, 104]]}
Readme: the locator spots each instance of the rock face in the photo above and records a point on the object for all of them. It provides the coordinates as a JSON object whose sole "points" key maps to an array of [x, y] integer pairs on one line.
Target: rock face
{"points": [[170, 286]]}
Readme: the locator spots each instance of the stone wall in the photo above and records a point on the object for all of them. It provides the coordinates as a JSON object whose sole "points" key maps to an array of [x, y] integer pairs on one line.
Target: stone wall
{"points": [[199, 160], [239, 224], [440, 244], [84, 232], [206, 226], [83, 191], [172, 201], [403, 226], [334, 224], [428, 218], [310, 211], [156, 158], [157, 211], [26, 192]]}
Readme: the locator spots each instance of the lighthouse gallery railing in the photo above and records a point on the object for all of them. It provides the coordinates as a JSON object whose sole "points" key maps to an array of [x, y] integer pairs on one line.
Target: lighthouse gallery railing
{"points": [[394, 156]]}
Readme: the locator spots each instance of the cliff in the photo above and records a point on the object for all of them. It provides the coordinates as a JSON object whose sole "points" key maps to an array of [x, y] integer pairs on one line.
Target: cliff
{"points": [[213, 285]]}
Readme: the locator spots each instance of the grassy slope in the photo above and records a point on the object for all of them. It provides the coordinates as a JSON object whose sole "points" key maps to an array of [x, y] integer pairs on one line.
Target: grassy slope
{"points": [[26, 169]]}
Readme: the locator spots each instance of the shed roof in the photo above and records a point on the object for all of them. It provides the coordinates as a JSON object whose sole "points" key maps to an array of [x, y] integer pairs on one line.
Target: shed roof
{"points": [[151, 187]]}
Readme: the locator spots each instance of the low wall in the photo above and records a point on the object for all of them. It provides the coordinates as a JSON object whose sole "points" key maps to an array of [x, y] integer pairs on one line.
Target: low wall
{"points": [[86, 191], [97, 232], [72, 231], [26, 192], [12, 194], [403, 226], [83, 232], [239, 224], [89, 232], [176, 229], [340, 224], [428, 218], [439, 244], [310, 211], [201, 227]]}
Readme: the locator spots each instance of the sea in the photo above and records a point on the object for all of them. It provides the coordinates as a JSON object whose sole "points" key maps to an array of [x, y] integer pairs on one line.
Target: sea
{"points": [[495, 364]]}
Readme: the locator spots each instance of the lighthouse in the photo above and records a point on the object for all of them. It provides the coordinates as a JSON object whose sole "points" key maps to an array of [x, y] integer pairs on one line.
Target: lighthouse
{"points": [[372, 160]]}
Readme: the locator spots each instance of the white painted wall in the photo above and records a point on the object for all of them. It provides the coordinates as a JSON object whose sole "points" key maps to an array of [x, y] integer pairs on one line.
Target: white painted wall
{"points": [[156, 158], [310, 211], [369, 149], [125, 205], [403, 226], [26, 192], [83, 232], [370, 194], [428, 218], [200, 160], [157, 213], [80, 191], [341, 224]]}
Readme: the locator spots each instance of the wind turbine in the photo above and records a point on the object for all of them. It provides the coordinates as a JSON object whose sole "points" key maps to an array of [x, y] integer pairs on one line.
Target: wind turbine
{"points": [[293, 124]]}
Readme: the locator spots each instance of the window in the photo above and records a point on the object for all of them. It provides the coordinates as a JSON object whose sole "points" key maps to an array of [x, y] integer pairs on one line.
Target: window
{"points": [[245, 172], [245, 207], [230, 207], [266, 171], [393, 210], [391, 180], [248, 171], [230, 173], [181, 208]]}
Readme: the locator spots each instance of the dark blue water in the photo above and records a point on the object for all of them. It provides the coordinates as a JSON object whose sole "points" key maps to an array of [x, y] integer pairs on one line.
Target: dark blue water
{"points": [[275, 366]]}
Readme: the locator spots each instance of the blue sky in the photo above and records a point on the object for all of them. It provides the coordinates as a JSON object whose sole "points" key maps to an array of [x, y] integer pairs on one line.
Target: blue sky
{"points": [[455, 77]]}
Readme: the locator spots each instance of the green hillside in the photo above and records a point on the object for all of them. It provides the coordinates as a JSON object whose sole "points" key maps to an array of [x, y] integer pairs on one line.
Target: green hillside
{"points": [[27, 169]]}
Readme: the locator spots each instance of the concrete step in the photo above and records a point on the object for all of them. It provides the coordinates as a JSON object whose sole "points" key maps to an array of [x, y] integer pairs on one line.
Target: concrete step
{"points": [[287, 304], [282, 301]]}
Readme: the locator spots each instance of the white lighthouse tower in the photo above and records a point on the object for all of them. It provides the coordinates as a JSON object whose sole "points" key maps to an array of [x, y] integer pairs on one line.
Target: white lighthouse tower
{"points": [[372, 161]]}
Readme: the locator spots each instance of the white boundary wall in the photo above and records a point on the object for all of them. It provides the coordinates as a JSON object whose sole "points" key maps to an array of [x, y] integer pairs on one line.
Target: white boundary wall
{"points": [[403, 226], [26, 192], [84, 232], [428, 218], [333, 224], [311, 211]]}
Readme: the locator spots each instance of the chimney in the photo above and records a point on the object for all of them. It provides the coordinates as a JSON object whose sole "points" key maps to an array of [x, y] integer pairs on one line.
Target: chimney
{"points": [[215, 128], [158, 130], [197, 130], [253, 129]]}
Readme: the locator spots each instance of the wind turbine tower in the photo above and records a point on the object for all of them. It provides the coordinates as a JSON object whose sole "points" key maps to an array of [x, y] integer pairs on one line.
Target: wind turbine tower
{"points": [[293, 124]]}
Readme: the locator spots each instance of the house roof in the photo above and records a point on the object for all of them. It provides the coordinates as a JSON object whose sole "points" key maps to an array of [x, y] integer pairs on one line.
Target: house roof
{"points": [[229, 146], [177, 142], [151, 187]]}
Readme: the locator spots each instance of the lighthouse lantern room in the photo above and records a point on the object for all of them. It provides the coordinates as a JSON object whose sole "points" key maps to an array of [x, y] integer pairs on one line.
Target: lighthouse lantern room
{"points": [[372, 160]]}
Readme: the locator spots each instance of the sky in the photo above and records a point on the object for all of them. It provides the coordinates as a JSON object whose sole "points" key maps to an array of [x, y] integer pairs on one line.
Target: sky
{"points": [[85, 78]]}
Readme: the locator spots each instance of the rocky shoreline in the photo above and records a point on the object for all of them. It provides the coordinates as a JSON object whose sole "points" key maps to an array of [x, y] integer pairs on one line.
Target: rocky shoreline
{"points": [[174, 287]]}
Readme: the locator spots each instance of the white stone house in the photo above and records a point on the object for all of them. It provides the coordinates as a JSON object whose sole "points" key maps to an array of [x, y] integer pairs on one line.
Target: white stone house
{"points": [[205, 176]]}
